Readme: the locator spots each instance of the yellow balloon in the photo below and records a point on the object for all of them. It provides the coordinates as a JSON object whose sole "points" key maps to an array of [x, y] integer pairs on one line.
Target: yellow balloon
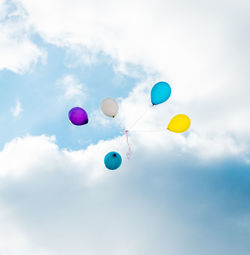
{"points": [[179, 123]]}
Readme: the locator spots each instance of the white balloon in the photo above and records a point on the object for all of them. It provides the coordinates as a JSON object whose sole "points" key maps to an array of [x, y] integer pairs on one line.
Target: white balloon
{"points": [[109, 107]]}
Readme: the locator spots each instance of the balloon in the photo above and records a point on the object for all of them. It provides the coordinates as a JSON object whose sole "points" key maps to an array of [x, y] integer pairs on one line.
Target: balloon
{"points": [[78, 116], [160, 93], [113, 160], [109, 107], [179, 123]]}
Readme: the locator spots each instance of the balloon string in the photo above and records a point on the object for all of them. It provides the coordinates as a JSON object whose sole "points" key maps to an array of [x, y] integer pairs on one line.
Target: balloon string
{"points": [[129, 152], [134, 123]]}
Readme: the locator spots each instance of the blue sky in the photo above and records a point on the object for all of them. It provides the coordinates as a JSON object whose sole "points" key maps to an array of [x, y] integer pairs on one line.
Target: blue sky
{"points": [[178, 193], [50, 116]]}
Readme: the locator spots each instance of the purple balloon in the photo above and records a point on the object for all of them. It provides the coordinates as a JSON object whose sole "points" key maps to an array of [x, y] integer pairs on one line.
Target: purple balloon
{"points": [[78, 116]]}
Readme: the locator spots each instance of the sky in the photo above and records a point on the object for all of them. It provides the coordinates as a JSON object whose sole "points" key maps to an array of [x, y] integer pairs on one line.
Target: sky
{"points": [[178, 193]]}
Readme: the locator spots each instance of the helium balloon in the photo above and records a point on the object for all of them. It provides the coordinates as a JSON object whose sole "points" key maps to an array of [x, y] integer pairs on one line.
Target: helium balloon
{"points": [[179, 123], [78, 116], [109, 107], [160, 93], [113, 160]]}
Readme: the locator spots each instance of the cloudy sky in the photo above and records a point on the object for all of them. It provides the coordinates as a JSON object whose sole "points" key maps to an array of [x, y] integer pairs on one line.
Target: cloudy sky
{"points": [[179, 194]]}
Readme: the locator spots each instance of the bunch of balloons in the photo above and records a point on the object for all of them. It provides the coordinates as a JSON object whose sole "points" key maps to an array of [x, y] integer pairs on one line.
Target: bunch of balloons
{"points": [[160, 93]]}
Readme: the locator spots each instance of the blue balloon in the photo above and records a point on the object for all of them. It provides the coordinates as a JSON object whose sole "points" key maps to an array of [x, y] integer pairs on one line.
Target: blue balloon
{"points": [[113, 160], [160, 93]]}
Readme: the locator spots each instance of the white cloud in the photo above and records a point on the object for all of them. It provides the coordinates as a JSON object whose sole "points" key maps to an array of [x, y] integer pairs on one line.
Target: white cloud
{"points": [[66, 201], [3, 9], [14, 240], [73, 89], [22, 156], [18, 53], [16, 111], [25, 152]]}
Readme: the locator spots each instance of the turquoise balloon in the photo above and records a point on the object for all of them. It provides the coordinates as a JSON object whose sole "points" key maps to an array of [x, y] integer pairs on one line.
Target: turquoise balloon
{"points": [[160, 93], [113, 160]]}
